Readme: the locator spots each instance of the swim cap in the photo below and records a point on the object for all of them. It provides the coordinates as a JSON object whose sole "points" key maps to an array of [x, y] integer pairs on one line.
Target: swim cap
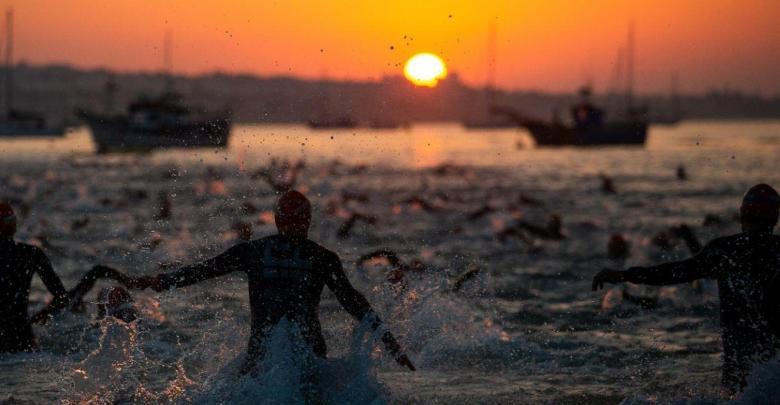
{"points": [[760, 205], [293, 206], [292, 215], [116, 302], [7, 220]]}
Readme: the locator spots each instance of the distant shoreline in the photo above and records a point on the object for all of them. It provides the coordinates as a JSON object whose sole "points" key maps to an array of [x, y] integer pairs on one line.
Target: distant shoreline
{"points": [[57, 91]]}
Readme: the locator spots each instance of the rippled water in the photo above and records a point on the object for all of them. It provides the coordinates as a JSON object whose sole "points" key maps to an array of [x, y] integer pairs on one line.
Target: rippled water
{"points": [[528, 329]]}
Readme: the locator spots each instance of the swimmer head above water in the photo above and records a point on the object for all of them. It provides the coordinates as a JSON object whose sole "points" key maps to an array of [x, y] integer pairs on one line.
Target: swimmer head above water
{"points": [[760, 207], [292, 214], [116, 302]]}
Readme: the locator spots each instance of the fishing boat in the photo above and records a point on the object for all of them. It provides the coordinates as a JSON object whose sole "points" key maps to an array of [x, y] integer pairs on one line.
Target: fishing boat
{"points": [[589, 126], [157, 123], [15, 122]]}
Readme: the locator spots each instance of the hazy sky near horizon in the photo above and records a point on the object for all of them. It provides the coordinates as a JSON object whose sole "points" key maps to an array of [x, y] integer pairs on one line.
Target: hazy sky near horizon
{"points": [[553, 45]]}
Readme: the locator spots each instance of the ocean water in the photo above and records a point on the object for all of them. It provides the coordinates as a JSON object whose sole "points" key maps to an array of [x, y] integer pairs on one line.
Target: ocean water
{"points": [[526, 329]]}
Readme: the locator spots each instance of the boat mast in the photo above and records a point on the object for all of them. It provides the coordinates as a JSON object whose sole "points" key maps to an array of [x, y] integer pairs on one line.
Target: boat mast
{"points": [[630, 66], [9, 62]]}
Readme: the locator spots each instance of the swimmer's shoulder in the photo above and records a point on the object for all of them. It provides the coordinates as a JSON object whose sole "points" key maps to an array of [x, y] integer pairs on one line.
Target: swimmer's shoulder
{"points": [[322, 253], [738, 242]]}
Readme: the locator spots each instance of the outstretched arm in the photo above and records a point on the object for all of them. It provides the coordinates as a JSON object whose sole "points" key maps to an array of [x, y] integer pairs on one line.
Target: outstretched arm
{"points": [[76, 295], [705, 264], [357, 306], [228, 262]]}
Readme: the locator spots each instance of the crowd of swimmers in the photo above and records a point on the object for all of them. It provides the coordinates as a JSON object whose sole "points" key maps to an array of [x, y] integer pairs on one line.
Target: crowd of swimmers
{"points": [[287, 273]]}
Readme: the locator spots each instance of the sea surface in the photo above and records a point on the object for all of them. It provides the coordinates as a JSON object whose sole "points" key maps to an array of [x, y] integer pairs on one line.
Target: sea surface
{"points": [[526, 329]]}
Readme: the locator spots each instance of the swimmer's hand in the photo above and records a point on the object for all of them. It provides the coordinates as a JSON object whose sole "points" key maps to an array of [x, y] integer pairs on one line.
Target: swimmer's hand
{"points": [[607, 276], [404, 361]]}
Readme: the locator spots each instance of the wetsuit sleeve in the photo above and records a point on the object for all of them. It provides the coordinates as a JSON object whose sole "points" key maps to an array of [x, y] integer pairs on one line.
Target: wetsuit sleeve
{"points": [[773, 305], [231, 260], [93, 275], [354, 302], [705, 264], [43, 267]]}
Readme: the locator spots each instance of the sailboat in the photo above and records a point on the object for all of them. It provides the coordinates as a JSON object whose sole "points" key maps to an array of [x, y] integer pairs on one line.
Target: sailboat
{"points": [[486, 118], [15, 122], [157, 122]]}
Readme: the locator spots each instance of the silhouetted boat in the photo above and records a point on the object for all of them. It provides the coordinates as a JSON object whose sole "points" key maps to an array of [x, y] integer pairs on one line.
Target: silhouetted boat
{"points": [[589, 124], [589, 127], [16, 123], [156, 123], [153, 123], [617, 133]]}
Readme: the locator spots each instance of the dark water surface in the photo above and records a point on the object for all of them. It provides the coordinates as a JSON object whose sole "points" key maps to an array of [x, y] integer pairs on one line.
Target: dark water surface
{"points": [[528, 329]]}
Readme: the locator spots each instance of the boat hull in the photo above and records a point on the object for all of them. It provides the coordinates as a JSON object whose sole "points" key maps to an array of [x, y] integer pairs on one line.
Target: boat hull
{"points": [[116, 135], [632, 133]]}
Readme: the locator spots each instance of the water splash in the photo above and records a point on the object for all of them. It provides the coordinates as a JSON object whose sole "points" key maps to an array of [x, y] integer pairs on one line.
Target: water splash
{"points": [[291, 373]]}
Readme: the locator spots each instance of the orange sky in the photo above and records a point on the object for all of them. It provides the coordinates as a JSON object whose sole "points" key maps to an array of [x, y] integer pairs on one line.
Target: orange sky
{"points": [[548, 45]]}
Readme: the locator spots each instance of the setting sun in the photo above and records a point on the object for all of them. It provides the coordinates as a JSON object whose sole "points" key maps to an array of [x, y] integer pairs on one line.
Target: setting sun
{"points": [[425, 69]]}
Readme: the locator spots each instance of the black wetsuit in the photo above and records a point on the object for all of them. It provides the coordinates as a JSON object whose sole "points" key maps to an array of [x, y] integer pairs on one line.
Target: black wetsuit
{"points": [[744, 266], [286, 279], [18, 263]]}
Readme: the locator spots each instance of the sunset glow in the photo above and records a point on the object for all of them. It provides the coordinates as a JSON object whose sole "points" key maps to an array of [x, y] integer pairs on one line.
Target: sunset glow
{"points": [[425, 69], [554, 46]]}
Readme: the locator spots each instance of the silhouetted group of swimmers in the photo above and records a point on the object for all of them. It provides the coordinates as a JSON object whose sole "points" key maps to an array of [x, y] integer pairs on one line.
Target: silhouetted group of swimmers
{"points": [[287, 273]]}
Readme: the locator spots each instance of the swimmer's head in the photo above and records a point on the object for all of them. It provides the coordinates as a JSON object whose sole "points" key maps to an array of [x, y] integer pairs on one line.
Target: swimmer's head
{"points": [[7, 221], [760, 207], [293, 215], [116, 302]]}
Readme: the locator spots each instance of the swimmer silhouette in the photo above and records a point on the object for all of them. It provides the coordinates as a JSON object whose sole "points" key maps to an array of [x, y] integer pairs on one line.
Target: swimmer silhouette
{"points": [[745, 266], [19, 263], [287, 273]]}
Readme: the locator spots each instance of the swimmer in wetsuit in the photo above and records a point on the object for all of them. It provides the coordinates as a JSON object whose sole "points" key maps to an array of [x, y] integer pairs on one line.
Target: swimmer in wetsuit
{"points": [[287, 273], [18, 263], [744, 266]]}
